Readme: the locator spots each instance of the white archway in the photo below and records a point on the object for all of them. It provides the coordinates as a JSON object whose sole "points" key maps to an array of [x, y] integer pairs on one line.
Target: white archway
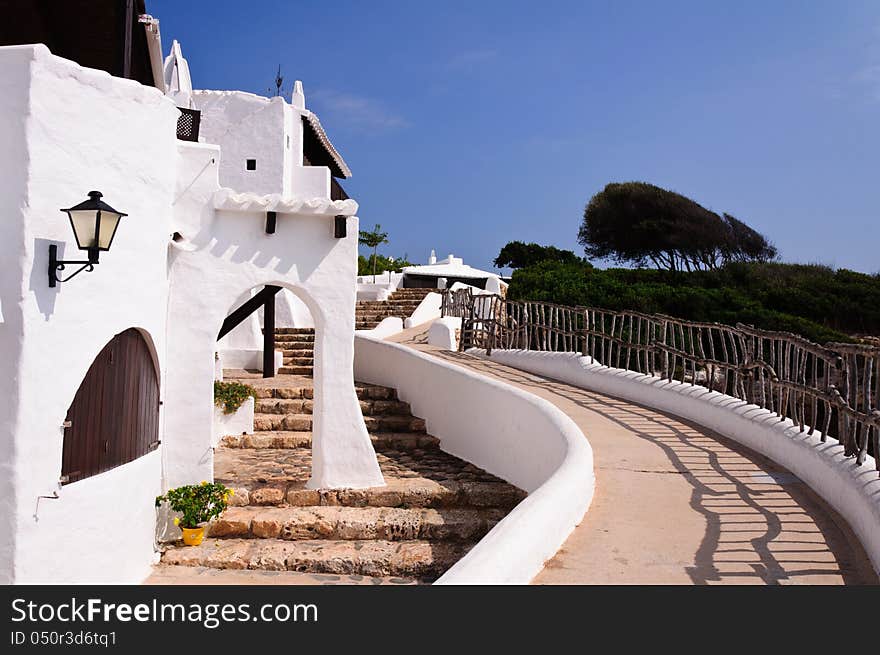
{"points": [[342, 454]]}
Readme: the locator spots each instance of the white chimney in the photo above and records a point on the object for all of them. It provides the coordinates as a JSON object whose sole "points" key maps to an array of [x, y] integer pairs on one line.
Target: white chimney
{"points": [[433, 258], [298, 98]]}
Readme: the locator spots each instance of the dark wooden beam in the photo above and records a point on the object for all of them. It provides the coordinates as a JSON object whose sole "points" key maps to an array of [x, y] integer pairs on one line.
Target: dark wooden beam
{"points": [[128, 36], [246, 309], [269, 332], [270, 222]]}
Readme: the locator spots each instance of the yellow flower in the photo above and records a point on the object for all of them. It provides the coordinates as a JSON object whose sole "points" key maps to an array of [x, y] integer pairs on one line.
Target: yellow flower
{"points": [[204, 483], [176, 521], [232, 492]]}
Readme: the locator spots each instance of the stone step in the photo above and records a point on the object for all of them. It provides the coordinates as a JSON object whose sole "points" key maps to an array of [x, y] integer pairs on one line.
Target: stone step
{"points": [[298, 352], [354, 523], [303, 422], [271, 388], [295, 338], [294, 330], [295, 370], [292, 439], [299, 361], [165, 574], [306, 406], [417, 559], [384, 306], [378, 317], [398, 492]]}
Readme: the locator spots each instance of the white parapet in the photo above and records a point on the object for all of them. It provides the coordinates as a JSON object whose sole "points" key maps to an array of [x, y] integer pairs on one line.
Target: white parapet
{"points": [[513, 434], [387, 327], [427, 311], [442, 332]]}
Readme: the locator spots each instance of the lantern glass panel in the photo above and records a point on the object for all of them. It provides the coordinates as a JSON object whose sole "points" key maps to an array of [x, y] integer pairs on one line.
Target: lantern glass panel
{"points": [[84, 224], [107, 229]]}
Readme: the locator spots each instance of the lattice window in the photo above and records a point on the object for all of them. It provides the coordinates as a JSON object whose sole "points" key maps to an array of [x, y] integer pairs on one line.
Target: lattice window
{"points": [[188, 124]]}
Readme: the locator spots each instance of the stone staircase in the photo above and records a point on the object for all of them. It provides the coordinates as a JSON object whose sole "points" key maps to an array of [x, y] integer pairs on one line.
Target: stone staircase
{"points": [[402, 303], [298, 346], [432, 510]]}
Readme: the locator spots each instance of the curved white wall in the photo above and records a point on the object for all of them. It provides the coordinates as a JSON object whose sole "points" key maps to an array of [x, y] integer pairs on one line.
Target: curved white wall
{"points": [[510, 433], [852, 490]]}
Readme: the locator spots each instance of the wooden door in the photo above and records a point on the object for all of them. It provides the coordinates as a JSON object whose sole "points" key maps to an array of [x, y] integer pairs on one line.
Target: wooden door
{"points": [[114, 418]]}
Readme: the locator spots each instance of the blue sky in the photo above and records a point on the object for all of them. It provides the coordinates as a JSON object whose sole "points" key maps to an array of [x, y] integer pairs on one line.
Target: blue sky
{"points": [[470, 124]]}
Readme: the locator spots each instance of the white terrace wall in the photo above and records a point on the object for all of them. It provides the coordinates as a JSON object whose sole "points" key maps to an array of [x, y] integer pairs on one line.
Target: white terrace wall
{"points": [[268, 130], [245, 126], [509, 432], [65, 131], [852, 490], [226, 254]]}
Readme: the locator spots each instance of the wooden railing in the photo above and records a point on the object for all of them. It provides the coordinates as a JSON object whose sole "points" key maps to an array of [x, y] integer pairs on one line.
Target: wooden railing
{"points": [[833, 388]]}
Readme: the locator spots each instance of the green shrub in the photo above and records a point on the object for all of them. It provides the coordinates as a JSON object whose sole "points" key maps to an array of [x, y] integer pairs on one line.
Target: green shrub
{"points": [[816, 302], [197, 503], [231, 395]]}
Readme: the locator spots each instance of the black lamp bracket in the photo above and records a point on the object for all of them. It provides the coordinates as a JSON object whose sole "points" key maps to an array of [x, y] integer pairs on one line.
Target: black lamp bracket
{"points": [[56, 265]]}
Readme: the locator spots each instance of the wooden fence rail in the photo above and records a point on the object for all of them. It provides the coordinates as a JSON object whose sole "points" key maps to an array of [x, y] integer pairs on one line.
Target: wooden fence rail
{"points": [[834, 388]]}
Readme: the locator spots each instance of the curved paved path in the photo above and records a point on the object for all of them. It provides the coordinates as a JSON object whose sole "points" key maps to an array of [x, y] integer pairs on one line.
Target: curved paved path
{"points": [[678, 504]]}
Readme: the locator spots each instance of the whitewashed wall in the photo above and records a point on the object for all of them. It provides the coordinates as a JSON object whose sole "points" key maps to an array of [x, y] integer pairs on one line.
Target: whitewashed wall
{"points": [[66, 131], [228, 254], [290, 311], [248, 126]]}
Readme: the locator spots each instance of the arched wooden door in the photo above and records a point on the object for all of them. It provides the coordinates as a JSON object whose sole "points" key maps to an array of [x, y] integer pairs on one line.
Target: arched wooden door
{"points": [[114, 417]]}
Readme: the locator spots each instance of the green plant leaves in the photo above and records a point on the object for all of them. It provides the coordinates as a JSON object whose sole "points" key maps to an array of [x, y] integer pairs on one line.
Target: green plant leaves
{"points": [[231, 395]]}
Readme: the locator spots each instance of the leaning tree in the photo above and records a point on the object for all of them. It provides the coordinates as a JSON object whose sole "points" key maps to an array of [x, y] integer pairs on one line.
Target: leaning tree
{"points": [[641, 224]]}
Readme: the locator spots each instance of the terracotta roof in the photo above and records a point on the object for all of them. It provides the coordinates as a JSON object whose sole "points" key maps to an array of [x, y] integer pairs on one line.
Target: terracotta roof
{"points": [[318, 149]]}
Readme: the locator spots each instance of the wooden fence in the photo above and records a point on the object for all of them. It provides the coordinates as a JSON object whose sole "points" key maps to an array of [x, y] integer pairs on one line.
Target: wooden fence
{"points": [[833, 388]]}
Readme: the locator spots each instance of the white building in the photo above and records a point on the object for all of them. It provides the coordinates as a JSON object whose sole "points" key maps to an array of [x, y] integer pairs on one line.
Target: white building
{"points": [[444, 273], [252, 203]]}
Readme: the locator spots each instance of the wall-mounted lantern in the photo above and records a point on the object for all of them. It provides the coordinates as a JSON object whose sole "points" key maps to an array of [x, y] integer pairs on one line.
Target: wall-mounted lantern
{"points": [[94, 224]]}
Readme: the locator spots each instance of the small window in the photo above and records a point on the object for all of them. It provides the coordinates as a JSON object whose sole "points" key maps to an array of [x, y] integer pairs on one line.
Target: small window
{"points": [[251, 164], [288, 142]]}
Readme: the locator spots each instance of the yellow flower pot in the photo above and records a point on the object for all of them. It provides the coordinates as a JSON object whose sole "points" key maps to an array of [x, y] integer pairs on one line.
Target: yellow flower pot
{"points": [[193, 536]]}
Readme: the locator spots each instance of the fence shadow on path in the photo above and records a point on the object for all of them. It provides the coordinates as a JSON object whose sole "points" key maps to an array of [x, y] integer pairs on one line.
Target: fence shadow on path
{"points": [[763, 525]]}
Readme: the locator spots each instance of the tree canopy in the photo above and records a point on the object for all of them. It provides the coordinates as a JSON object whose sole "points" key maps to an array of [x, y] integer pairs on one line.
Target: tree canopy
{"points": [[381, 263], [641, 224], [517, 254], [816, 302]]}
